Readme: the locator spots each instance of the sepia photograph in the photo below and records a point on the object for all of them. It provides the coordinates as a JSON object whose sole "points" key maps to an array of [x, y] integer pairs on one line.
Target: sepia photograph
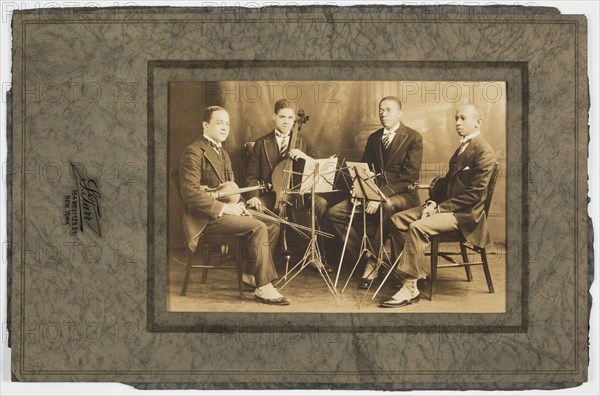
{"points": [[278, 196], [337, 196]]}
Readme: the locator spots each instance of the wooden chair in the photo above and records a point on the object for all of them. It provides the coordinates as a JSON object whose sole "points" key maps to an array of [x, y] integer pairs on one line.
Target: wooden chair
{"points": [[206, 247], [456, 237]]}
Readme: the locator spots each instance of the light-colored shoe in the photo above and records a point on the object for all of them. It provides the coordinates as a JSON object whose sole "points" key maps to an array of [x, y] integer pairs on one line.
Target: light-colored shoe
{"points": [[267, 294], [408, 294]]}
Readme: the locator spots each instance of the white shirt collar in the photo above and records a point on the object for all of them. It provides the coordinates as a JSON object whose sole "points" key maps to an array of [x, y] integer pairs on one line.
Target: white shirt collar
{"points": [[213, 141], [280, 135], [469, 137], [393, 129]]}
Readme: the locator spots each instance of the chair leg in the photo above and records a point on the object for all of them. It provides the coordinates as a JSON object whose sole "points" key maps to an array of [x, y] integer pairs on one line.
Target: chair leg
{"points": [[465, 257], [204, 275], [188, 272], [186, 279], [486, 270], [434, 258], [239, 261], [240, 271]]}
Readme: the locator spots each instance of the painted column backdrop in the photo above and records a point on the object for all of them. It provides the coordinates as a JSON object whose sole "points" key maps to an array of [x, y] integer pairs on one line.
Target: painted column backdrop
{"points": [[342, 115]]}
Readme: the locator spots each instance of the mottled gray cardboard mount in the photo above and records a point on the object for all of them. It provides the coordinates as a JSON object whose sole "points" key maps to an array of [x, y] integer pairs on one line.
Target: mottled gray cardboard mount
{"points": [[81, 315]]}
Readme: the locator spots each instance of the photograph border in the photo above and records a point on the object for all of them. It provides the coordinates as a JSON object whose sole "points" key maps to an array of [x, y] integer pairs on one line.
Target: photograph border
{"points": [[160, 320], [382, 379]]}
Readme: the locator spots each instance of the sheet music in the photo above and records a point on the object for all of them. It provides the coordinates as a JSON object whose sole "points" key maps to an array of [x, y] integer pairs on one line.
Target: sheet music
{"points": [[364, 184], [325, 179]]}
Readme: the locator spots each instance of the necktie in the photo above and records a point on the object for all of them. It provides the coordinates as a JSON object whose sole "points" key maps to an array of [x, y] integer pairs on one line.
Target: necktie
{"points": [[462, 147], [216, 148], [284, 145], [386, 139]]}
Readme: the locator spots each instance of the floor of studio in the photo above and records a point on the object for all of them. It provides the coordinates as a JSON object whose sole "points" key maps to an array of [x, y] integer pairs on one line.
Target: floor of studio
{"points": [[309, 293]]}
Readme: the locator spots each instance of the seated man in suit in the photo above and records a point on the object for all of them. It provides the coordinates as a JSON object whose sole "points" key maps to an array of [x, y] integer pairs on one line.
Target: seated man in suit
{"points": [[395, 153], [272, 148], [204, 164], [468, 176]]}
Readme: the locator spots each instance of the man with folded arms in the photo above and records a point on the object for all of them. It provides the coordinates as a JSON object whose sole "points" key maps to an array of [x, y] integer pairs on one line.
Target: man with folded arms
{"points": [[468, 176]]}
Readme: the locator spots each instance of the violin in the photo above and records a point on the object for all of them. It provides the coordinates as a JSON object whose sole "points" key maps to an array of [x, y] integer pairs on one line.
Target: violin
{"points": [[230, 192], [283, 171]]}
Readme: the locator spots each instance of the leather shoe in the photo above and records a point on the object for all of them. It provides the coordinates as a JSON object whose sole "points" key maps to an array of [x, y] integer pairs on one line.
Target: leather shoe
{"points": [[364, 283], [274, 301], [248, 286], [393, 303], [329, 269], [422, 283]]}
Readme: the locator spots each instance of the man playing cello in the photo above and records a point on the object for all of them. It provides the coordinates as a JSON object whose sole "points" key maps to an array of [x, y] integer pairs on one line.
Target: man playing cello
{"points": [[273, 148]]}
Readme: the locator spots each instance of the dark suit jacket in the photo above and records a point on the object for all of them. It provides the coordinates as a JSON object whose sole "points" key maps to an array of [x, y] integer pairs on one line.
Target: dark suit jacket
{"points": [[468, 179], [199, 168], [265, 156], [403, 163]]}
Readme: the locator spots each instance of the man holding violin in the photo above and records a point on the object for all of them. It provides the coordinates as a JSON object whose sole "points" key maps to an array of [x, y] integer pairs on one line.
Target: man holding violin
{"points": [[462, 207], [204, 164], [394, 152]]}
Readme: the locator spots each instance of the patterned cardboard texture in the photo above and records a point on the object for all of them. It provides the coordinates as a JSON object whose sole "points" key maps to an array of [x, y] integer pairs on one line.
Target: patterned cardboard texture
{"points": [[77, 317]]}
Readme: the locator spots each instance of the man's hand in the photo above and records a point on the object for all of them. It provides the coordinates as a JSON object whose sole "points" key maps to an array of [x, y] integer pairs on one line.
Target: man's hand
{"points": [[234, 209], [254, 203], [296, 154], [429, 210], [372, 207]]}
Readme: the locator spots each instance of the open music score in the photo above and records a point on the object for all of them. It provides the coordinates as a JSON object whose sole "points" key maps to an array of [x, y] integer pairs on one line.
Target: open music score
{"points": [[364, 184], [326, 175], [316, 182]]}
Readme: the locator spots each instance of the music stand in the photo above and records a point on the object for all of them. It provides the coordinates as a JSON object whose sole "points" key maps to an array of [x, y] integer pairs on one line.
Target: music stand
{"points": [[390, 271], [373, 190], [366, 190], [358, 171], [312, 254]]}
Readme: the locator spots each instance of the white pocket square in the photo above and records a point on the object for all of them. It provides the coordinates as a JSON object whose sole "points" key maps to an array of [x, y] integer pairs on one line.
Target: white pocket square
{"points": [[466, 168]]}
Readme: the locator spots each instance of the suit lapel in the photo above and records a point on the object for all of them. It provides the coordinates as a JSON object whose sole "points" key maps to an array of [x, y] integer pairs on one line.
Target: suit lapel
{"points": [[378, 151], [464, 158], [212, 158], [228, 169], [398, 141], [270, 145]]}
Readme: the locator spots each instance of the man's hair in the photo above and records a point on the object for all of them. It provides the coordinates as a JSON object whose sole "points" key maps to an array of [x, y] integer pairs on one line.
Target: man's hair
{"points": [[476, 110], [208, 112], [394, 99], [283, 104]]}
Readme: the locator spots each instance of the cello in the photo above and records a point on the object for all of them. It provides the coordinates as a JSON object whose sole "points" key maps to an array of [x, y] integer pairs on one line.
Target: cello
{"points": [[282, 176], [281, 179]]}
